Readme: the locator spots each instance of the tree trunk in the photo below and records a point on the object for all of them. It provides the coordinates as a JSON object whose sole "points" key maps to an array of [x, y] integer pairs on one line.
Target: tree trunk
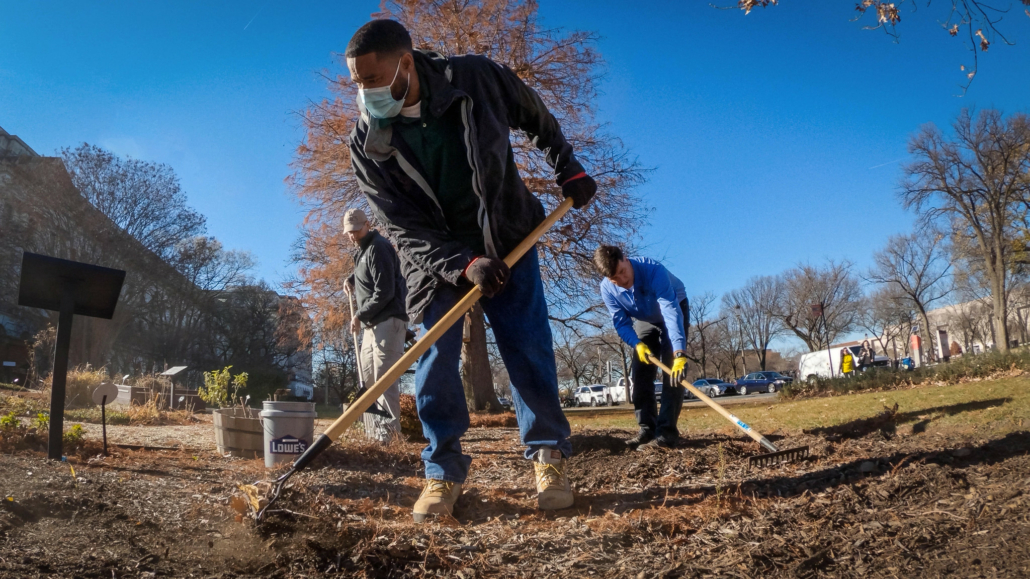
{"points": [[476, 376], [996, 270], [926, 333]]}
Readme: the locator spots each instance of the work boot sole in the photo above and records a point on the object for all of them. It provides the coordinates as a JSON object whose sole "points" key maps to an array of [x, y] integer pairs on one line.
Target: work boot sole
{"points": [[421, 517], [555, 502]]}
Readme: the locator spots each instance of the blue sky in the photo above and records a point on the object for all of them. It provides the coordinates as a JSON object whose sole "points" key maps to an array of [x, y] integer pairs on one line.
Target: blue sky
{"points": [[775, 137]]}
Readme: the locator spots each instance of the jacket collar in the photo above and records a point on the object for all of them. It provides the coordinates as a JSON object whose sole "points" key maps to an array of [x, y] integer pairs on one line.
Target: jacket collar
{"points": [[368, 239], [435, 70]]}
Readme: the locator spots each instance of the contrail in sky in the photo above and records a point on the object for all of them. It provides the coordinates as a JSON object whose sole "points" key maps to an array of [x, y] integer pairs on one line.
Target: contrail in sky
{"points": [[884, 164], [256, 13]]}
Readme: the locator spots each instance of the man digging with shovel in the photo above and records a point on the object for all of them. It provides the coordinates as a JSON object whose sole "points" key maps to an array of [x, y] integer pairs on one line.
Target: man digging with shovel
{"points": [[650, 311], [432, 154]]}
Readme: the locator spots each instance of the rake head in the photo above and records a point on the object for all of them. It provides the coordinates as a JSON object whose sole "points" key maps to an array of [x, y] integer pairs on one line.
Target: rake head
{"points": [[778, 457]]}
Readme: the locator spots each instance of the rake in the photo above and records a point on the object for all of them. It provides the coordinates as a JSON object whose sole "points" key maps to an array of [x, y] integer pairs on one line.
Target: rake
{"points": [[375, 408], [355, 410], [773, 457]]}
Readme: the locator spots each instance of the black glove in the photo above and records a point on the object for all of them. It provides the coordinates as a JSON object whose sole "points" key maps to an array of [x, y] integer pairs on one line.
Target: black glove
{"points": [[489, 273], [581, 188]]}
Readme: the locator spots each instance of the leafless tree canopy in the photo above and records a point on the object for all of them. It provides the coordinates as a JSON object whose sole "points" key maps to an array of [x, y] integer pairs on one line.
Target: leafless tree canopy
{"points": [[915, 269], [976, 182], [887, 314], [753, 307], [142, 198], [834, 286]]}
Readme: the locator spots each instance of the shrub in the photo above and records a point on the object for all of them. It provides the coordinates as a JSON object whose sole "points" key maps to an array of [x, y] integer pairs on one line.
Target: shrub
{"points": [[499, 420], [147, 413], [9, 421], [79, 386], [42, 421], [964, 368], [73, 437], [220, 389]]}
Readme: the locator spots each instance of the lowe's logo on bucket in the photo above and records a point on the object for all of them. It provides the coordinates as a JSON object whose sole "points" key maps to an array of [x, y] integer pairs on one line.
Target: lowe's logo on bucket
{"points": [[287, 445]]}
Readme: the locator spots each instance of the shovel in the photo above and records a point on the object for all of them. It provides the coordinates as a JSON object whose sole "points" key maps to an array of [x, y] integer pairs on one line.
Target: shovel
{"points": [[359, 406], [374, 408], [774, 456]]}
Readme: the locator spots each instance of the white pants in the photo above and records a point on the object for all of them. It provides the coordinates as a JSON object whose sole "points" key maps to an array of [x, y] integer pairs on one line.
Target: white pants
{"points": [[381, 346]]}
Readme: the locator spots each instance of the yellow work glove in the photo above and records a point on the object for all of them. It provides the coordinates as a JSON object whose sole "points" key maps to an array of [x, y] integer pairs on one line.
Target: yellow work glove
{"points": [[643, 352], [679, 370]]}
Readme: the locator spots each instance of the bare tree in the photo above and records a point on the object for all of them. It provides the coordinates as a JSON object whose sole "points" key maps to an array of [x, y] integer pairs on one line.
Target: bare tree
{"points": [[915, 268], [979, 183], [141, 197], [834, 287], [754, 309], [574, 364], [887, 314], [700, 342], [476, 375]]}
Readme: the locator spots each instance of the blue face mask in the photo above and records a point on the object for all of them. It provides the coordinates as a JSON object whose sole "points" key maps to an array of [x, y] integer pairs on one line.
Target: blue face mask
{"points": [[379, 102]]}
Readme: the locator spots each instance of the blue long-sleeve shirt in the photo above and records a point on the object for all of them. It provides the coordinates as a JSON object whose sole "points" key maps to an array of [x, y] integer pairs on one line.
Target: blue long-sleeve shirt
{"points": [[655, 298]]}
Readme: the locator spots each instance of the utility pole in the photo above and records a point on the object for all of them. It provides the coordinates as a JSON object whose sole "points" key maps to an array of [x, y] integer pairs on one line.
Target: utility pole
{"points": [[740, 328]]}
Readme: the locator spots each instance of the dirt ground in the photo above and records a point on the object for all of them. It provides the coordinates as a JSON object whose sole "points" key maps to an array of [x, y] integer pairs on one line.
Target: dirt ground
{"points": [[872, 501]]}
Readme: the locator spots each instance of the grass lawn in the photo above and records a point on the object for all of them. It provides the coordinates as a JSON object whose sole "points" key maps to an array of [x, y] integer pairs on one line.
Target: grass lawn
{"points": [[328, 411], [997, 406]]}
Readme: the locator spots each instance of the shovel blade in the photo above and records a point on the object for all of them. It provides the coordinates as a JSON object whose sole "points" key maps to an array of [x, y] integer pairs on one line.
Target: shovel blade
{"points": [[782, 456]]}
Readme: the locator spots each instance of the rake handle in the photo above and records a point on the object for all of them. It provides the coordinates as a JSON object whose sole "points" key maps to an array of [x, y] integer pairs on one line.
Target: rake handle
{"points": [[717, 407], [354, 336], [355, 410]]}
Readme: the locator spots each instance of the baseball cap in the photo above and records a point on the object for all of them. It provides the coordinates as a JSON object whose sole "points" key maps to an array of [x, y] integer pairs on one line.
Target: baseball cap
{"points": [[353, 220]]}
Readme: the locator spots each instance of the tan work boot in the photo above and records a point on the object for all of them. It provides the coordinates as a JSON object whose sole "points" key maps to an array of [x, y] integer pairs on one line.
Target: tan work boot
{"points": [[552, 482], [437, 498]]}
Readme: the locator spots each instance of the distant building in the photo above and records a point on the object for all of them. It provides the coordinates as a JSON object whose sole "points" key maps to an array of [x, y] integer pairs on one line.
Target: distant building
{"points": [[162, 318]]}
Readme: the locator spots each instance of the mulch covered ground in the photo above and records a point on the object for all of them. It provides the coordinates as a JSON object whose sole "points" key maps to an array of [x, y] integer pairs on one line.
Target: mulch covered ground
{"points": [[870, 502]]}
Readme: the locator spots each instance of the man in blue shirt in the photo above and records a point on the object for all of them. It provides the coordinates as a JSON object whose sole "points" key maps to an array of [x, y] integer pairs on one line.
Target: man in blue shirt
{"points": [[650, 311]]}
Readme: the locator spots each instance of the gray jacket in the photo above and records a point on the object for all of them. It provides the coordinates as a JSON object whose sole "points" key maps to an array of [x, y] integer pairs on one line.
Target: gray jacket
{"points": [[493, 101], [378, 285]]}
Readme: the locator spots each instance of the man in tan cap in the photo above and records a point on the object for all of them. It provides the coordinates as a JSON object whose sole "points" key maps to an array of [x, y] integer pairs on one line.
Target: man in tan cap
{"points": [[380, 291]]}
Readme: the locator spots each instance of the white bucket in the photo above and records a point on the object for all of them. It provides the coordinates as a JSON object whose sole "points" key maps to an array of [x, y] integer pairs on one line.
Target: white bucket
{"points": [[289, 430]]}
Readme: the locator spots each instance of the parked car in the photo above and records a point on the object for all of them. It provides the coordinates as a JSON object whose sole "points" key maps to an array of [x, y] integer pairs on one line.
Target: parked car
{"points": [[818, 364], [765, 381], [712, 387], [505, 402], [594, 395]]}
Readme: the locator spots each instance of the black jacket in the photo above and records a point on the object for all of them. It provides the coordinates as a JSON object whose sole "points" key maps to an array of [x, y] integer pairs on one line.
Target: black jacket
{"points": [[493, 101], [378, 285]]}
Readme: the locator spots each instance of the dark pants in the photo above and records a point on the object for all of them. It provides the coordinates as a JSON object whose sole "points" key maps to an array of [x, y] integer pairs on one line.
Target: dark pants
{"points": [[654, 422]]}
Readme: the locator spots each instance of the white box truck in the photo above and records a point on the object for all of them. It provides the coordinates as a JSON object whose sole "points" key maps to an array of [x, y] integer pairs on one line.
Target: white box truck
{"points": [[818, 364]]}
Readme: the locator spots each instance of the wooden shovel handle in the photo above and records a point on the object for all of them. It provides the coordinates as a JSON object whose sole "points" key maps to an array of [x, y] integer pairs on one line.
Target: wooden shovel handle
{"points": [[355, 410]]}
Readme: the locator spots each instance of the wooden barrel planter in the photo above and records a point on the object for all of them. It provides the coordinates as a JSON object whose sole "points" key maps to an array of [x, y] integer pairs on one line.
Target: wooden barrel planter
{"points": [[238, 435]]}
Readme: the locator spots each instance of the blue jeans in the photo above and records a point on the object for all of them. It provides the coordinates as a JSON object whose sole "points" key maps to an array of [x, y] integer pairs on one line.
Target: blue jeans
{"points": [[518, 316]]}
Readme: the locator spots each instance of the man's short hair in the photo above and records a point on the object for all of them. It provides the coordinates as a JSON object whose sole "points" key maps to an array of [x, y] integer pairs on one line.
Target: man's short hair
{"points": [[381, 37], [606, 259]]}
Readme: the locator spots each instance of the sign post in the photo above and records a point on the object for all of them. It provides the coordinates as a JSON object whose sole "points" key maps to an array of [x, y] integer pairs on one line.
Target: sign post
{"points": [[101, 395], [71, 288]]}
